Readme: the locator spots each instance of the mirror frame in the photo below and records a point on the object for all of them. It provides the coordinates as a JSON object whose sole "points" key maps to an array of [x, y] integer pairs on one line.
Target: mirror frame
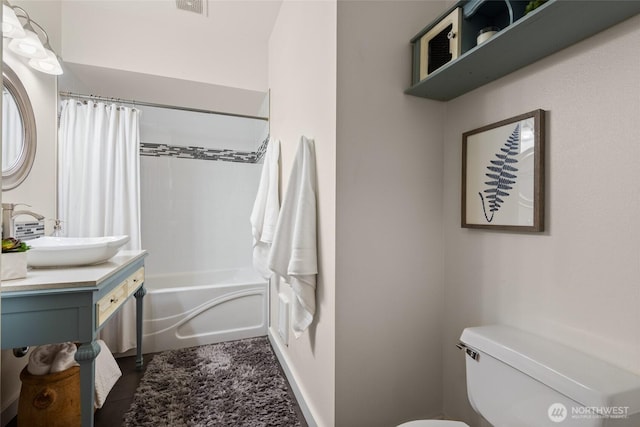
{"points": [[14, 176]]}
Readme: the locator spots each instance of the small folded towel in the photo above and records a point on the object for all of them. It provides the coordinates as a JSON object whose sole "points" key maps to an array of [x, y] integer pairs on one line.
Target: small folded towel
{"points": [[294, 251], [51, 358], [107, 373], [266, 207]]}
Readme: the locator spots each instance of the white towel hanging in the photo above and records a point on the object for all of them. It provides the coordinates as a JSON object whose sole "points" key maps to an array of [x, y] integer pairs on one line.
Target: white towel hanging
{"points": [[264, 215], [107, 374], [294, 250]]}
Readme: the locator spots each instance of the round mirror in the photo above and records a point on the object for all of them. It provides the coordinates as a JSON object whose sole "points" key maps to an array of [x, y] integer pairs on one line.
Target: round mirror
{"points": [[18, 131]]}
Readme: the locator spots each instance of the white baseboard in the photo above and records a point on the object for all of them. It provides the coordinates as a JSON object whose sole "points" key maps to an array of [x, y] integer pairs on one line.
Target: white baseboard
{"points": [[292, 381]]}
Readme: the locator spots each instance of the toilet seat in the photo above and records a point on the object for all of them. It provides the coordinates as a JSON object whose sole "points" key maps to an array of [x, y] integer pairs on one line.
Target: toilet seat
{"points": [[433, 423]]}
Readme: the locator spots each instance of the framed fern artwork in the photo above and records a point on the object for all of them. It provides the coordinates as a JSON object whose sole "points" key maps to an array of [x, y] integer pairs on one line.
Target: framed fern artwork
{"points": [[503, 174]]}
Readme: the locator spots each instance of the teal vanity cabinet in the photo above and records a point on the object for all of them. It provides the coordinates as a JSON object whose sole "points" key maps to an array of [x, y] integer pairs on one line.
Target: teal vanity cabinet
{"points": [[523, 39], [72, 304]]}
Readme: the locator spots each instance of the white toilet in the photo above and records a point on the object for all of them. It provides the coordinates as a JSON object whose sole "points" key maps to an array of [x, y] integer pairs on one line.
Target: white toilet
{"points": [[517, 379]]}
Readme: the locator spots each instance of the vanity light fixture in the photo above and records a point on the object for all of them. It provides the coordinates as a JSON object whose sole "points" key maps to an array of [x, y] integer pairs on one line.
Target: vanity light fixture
{"points": [[41, 55]]}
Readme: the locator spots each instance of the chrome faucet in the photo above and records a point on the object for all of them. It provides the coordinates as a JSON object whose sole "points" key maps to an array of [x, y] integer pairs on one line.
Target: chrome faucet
{"points": [[8, 215]]}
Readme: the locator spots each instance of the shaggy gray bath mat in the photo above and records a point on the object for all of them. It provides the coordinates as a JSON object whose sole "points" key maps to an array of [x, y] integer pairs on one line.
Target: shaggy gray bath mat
{"points": [[237, 383]]}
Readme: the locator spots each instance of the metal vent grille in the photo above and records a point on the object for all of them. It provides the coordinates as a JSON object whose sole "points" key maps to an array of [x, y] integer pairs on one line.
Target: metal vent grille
{"points": [[197, 6]]}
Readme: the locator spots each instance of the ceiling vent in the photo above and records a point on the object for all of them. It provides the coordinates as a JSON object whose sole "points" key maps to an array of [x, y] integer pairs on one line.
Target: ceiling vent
{"points": [[196, 6]]}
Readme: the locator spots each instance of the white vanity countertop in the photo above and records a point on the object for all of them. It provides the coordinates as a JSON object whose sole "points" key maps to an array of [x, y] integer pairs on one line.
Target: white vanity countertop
{"points": [[39, 279]]}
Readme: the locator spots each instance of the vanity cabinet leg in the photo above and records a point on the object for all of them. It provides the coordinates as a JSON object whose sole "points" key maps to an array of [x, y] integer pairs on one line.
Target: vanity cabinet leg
{"points": [[86, 357], [140, 293]]}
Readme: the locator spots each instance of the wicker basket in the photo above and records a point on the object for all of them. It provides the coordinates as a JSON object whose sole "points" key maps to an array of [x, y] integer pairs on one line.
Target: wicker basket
{"points": [[51, 400]]}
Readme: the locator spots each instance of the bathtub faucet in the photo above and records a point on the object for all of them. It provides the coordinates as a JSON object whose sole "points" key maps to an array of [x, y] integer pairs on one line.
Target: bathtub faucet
{"points": [[8, 217]]}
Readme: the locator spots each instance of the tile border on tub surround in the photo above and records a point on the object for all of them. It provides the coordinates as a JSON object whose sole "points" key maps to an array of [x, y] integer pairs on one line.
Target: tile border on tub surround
{"points": [[201, 153]]}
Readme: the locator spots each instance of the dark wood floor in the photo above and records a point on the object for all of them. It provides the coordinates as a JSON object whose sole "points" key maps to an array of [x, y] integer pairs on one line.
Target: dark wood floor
{"points": [[119, 399]]}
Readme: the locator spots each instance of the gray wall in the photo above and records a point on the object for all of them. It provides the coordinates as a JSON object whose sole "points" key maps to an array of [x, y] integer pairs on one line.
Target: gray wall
{"points": [[389, 261], [302, 79]]}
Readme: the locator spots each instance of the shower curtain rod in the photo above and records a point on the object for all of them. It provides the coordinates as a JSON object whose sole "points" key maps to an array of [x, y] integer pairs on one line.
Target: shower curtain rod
{"points": [[153, 104]]}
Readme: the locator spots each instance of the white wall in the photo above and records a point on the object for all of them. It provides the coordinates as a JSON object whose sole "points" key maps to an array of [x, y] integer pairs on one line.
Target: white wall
{"points": [[152, 52], [578, 281], [188, 128], [228, 47], [302, 79], [195, 214], [389, 263], [155, 88]]}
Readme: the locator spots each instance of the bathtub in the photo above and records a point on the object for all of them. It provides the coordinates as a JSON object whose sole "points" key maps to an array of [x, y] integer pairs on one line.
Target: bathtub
{"points": [[186, 310]]}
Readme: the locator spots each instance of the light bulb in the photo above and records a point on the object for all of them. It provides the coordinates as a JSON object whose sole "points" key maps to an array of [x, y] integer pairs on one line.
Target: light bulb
{"points": [[29, 46], [49, 65], [11, 26]]}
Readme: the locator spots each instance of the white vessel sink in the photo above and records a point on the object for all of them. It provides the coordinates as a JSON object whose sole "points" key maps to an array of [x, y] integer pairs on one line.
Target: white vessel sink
{"points": [[72, 251]]}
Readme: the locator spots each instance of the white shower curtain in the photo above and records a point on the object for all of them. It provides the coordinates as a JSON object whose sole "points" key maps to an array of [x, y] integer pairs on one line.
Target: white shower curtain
{"points": [[99, 187]]}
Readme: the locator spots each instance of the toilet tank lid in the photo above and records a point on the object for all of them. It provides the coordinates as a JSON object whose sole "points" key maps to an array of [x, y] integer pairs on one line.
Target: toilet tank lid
{"points": [[585, 379]]}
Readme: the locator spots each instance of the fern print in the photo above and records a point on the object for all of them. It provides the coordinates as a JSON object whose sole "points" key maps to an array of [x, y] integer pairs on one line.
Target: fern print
{"points": [[502, 175]]}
